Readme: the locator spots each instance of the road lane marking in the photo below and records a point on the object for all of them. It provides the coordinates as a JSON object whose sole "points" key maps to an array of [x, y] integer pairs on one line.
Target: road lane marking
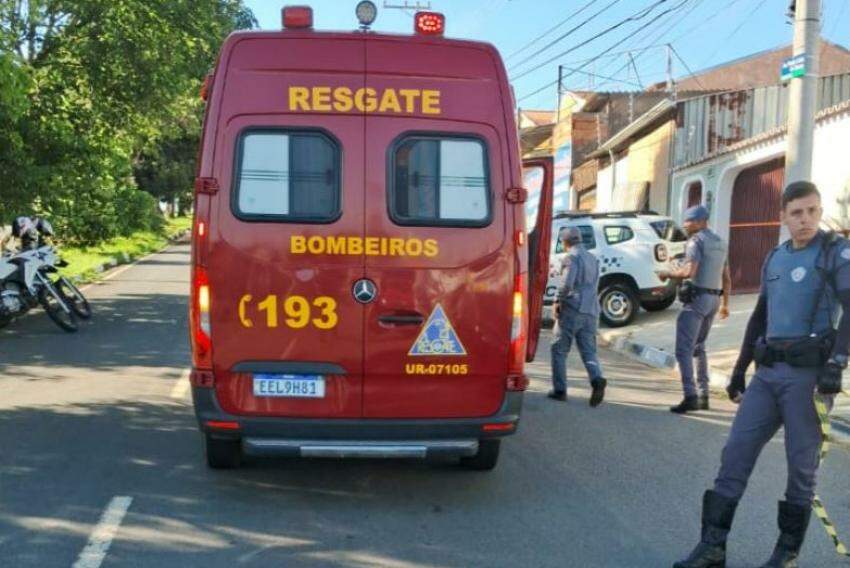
{"points": [[181, 387], [101, 537]]}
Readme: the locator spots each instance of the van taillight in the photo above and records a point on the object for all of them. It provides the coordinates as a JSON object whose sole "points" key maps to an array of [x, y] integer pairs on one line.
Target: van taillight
{"points": [[200, 320], [519, 335], [661, 253]]}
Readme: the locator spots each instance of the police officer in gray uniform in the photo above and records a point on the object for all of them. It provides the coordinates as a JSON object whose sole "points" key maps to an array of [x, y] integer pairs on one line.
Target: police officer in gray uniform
{"points": [[704, 293], [577, 311], [797, 348]]}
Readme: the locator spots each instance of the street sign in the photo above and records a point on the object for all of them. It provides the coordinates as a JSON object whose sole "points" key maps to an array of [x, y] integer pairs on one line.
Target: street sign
{"points": [[793, 67]]}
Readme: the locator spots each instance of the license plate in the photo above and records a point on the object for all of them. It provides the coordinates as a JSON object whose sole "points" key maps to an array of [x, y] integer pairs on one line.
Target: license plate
{"points": [[296, 386]]}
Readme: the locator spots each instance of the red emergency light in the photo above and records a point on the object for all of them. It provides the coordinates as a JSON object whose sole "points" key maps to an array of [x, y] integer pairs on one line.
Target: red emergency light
{"points": [[430, 23], [297, 17]]}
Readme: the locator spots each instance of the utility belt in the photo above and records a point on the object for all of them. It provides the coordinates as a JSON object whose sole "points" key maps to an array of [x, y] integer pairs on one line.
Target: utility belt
{"points": [[806, 352], [688, 291]]}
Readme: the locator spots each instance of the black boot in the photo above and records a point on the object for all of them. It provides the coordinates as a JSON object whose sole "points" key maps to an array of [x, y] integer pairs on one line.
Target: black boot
{"points": [[598, 391], [793, 521], [558, 395], [703, 402], [717, 515], [688, 404]]}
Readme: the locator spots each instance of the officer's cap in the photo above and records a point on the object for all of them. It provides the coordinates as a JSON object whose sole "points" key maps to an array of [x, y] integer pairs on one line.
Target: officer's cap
{"points": [[696, 213], [571, 234]]}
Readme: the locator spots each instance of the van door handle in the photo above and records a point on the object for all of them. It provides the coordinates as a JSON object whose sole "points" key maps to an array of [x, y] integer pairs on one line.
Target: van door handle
{"points": [[401, 319]]}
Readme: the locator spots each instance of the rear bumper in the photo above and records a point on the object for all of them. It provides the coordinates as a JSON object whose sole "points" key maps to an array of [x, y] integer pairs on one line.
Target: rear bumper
{"points": [[321, 437]]}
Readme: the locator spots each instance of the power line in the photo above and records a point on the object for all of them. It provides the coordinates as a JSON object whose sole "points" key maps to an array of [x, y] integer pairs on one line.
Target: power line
{"points": [[735, 31], [550, 30], [634, 17], [656, 18], [721, 12], [655, 39], [644, 35], [555, 82], [540, 90], [567, 33]]}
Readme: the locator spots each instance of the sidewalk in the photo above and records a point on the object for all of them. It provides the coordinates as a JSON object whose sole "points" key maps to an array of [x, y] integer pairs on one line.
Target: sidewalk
{"points": [[651, 339]]}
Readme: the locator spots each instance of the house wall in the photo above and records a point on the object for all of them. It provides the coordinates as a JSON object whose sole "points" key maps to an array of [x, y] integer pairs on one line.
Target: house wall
{"points": [[649, 162], [830, 172], [607, 199]]}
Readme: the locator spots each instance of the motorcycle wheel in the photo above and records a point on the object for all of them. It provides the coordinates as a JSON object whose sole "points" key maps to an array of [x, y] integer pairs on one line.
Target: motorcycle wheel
{"points": [[56, 308], [73, 297]]}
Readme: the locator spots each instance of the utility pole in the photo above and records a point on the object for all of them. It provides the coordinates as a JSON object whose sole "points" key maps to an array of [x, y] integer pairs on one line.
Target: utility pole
{"points": [[802, 97], [671, 84], [560, 93]]}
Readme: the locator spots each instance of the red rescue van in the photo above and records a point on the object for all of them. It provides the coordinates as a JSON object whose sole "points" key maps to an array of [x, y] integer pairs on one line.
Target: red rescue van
{"points": [[360, 256]]}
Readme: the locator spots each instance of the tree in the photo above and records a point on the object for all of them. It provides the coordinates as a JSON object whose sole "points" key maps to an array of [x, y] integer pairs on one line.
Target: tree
{"points": [[107, 92]]}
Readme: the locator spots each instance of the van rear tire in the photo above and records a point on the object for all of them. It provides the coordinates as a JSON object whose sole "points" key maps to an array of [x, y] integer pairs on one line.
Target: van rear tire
{"points": [[486, 458], [222, 454]]}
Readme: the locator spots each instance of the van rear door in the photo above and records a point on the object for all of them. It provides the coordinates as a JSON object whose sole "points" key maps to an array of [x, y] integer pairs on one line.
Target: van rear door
{"points": [[539, 172], [286, 234], [438, 336]]}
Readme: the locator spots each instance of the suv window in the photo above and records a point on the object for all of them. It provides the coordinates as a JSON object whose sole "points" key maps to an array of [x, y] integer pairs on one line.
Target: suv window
{"points": [[588, 239], [668, 231], [289, 176], [617, 234], [440, 181]]}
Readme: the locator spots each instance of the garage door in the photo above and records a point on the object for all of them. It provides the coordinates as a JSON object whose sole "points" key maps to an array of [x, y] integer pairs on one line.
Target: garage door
{"points": [[754, 227]]}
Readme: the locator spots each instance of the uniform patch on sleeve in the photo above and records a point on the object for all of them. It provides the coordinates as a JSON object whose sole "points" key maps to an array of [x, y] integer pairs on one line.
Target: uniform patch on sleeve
{"points": [[437, 337], [845, 254]]}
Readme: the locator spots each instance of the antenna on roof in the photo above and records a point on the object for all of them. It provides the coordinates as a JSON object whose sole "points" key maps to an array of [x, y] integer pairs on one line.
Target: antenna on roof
{"points": [[408, 6]]}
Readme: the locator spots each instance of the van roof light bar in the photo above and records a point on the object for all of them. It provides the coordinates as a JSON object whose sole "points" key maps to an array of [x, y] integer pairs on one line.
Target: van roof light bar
{"points": [[297, 17]]}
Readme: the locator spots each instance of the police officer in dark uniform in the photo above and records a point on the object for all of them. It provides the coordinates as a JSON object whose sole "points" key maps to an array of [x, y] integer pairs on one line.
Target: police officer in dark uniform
{"points": [[577, 312], [705, 292], [797, 347]]}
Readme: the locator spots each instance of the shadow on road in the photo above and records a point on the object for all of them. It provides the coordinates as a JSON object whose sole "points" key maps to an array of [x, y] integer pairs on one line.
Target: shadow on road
{"points": [[66, 463], [127, 329]]}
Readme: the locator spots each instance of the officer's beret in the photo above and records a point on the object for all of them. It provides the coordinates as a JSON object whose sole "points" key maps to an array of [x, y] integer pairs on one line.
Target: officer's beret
{"points": [[696, 213]]}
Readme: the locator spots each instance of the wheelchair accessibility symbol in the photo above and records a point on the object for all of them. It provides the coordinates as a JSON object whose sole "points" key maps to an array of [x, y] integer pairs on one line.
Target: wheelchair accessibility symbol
{"points": [[438, 337]]}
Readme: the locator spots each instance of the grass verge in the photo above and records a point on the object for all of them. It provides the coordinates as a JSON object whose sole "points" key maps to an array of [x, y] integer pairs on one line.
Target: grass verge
{"points": [[86, 263]]}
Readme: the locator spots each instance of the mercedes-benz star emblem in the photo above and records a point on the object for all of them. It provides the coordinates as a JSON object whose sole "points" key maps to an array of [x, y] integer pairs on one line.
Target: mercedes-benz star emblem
{"points": [[364, 291]]}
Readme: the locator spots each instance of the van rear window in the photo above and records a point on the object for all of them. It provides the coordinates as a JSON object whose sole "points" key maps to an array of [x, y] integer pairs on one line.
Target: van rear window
{"points": [[287, 176], [440, 181]]}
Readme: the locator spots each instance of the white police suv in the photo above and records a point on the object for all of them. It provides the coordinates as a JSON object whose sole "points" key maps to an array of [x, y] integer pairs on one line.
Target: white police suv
{"points": [[631, 247]]}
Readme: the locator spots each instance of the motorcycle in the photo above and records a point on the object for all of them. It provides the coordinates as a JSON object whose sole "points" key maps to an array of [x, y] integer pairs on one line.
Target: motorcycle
{"points": [[25, 280]]}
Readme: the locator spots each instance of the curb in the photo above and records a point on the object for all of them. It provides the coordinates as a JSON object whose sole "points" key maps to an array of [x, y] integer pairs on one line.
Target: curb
{"points": [[125, 258], [646, 354], [661, 359]]}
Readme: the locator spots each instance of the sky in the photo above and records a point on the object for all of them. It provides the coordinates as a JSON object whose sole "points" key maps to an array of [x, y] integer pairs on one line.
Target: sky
{"points": [[703, 33]]}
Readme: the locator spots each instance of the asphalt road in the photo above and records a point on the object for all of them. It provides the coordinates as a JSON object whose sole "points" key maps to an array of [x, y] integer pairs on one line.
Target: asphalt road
{"points": [[88, 417]]}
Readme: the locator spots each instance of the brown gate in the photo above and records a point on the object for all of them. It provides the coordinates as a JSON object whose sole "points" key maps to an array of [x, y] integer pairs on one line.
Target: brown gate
{"points": [[754, 226]]}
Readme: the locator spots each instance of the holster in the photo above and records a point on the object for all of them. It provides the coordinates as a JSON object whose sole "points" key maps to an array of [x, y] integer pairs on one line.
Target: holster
{"points": [[687, 292]]}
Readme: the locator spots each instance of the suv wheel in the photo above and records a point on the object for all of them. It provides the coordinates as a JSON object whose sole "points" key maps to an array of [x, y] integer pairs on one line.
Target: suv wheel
{"points": [[658, 305], [618, 303], [486, 458], [222, 454]]}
